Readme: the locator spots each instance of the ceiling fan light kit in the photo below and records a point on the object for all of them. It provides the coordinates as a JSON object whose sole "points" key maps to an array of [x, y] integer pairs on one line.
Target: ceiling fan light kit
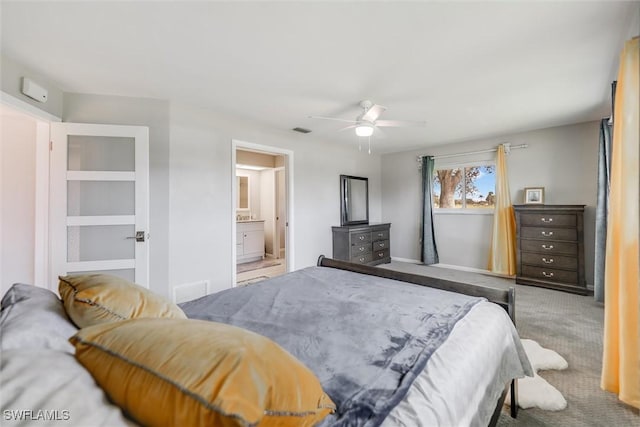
{"points": [[364, 129]]}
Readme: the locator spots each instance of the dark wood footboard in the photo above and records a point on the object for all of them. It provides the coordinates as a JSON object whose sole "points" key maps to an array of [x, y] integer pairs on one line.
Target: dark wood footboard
{"points": [[504, 298]]}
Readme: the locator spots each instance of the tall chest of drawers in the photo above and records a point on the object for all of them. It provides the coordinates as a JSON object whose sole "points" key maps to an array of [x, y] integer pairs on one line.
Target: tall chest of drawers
{"points": [[550, 247], [362, 244]]}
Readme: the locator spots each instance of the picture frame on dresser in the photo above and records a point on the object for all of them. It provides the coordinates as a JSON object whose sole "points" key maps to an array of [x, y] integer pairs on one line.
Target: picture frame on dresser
{"points": [[534, 195]]}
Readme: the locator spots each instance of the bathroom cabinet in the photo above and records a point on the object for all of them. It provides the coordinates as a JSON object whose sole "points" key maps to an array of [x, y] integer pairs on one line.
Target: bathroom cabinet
{"points": [[249, 241]]}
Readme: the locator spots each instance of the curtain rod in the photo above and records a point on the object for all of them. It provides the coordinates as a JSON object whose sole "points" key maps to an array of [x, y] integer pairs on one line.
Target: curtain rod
{"points": [[490, 150]]}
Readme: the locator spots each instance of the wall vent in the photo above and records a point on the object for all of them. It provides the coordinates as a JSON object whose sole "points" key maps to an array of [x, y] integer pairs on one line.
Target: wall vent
{"points": [[190, 291], [301, 130]]}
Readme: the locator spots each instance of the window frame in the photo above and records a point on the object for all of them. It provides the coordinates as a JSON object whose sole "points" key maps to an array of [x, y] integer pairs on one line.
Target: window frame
{"points": [[463, 210]]}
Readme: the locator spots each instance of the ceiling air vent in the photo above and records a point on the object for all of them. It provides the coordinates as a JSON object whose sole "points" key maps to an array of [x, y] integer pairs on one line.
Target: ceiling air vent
{"points": [[301, 130]]}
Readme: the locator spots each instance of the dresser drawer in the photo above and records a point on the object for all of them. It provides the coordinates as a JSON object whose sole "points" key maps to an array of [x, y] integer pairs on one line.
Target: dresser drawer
{"points": [[547, 220], [551, 248], [382, 254], [360, 249], [380, 235], [550, 261], [550, 274], [357, 238], [548, 233], [380, 244], [362, 259]]}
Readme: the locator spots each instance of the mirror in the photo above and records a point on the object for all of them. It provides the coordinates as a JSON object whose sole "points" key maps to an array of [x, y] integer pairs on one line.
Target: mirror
{"points": [[243, 192], [354, 200]]}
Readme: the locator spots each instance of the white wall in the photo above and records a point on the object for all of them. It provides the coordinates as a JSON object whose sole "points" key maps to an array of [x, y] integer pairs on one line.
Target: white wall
{"points": [[17, 186], [200, 201], [561, 159]]}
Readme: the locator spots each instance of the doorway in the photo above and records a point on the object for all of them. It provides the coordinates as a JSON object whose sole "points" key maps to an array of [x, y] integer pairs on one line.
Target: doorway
{"points": [[261, 222], [24, 183]]}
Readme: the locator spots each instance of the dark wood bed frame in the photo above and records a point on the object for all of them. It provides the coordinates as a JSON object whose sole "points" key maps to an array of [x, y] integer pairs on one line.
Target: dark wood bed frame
{"points": [[504, 298]]}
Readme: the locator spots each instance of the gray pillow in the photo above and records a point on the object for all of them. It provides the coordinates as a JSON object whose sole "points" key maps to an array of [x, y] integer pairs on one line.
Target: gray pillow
{"points": [[34, 318], [48, 381]]}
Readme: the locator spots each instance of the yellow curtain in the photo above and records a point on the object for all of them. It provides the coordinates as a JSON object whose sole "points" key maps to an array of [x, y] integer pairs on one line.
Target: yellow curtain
{"points": [[502, 253], [621, 358]]}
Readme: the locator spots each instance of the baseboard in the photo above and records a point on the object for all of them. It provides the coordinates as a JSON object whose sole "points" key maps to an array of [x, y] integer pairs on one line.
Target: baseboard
{"points": [[473, 270], [410, 261], [455, 267]]}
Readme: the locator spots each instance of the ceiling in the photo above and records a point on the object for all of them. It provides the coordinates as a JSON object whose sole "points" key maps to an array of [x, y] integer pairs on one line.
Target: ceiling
{"points": [[470, 69]]}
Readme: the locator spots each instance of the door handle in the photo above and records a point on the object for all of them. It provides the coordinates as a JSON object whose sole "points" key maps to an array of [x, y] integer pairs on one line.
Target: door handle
{"points": [[140, 237]]}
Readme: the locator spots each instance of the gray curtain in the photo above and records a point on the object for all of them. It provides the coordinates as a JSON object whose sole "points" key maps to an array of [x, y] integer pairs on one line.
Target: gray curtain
{"points": [[429, 253], [602, 203], [602, 208]]}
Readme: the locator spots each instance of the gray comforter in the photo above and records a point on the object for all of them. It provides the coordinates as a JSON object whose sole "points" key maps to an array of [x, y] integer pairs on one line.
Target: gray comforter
{"points": [[366, 338]]}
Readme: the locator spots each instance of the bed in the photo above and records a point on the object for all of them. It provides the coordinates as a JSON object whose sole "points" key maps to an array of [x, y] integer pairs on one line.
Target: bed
{"points": [[389, 348]]}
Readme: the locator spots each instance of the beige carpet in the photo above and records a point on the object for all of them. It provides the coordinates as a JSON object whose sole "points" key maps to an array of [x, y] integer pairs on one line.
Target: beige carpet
{"points": [[570, 324]]}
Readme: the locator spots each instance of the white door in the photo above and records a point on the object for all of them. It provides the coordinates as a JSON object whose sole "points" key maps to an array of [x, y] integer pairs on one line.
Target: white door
{"points": [[99, 200]]}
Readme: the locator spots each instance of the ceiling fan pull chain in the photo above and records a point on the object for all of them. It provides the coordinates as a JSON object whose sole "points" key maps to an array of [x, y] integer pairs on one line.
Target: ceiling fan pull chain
{"points": [[359, 144], [369, 144]]}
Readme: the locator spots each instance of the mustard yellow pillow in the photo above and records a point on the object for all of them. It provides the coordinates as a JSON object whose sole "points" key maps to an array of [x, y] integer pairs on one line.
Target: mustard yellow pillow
{"points": [[174, 372], [92, 299]]}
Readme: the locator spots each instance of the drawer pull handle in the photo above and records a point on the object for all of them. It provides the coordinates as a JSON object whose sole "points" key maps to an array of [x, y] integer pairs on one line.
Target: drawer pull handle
{"points": [[547, 234], [545, 274], [380, 254], [361, 237], [547, 247], [382, 245], [362, 259], [547, 261], [546, 219], [361, 248], [380, 234]]}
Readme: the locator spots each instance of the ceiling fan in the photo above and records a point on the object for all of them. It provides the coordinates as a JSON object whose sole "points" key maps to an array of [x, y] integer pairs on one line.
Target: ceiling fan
{"points": [[367, 121]]}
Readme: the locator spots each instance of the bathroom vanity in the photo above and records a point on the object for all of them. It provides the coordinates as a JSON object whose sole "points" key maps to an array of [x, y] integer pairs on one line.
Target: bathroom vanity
{"points": [[249, 240]]}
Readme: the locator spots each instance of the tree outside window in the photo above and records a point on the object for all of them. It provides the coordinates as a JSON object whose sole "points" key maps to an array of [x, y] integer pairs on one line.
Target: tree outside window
{"points": [[475, 183]]}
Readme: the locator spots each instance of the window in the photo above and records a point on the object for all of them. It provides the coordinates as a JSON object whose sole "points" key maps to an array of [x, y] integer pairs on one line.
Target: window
{"points": [[477, 184]]}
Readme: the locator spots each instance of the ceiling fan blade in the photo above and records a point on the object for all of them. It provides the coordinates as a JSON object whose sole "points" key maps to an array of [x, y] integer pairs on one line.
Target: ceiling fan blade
{"points": [[399, 123], [373, 113], [379, 133], [333, 118], [348, 127]]}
